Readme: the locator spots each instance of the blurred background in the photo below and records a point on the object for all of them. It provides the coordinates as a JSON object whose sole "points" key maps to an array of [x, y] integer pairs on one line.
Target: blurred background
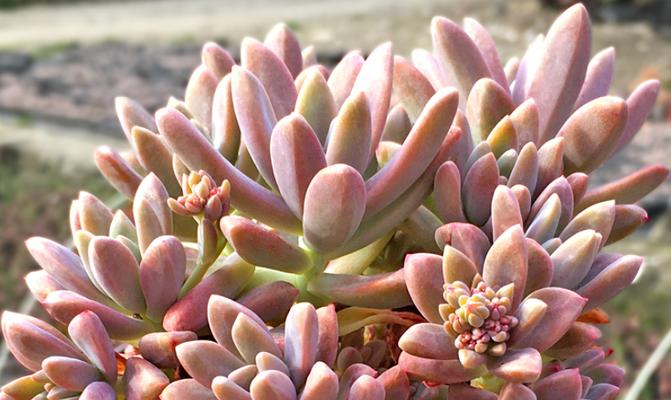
{"points": [[63, 62]]}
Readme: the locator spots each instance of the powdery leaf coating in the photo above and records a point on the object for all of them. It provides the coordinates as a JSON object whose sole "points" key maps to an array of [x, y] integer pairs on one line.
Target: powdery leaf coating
{"points": [[562, 64], [301, 341], [296, 156], [343, 187], [592, 132], [272, 73]]}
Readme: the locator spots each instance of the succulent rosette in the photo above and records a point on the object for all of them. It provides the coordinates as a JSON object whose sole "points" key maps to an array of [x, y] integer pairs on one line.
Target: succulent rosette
{"points": [[295, 214], [540, 125], [82, 366], [298, 359]]}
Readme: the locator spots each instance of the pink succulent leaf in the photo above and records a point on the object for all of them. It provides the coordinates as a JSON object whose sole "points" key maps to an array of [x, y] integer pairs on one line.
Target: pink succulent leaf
{"points": [[271, 72]]}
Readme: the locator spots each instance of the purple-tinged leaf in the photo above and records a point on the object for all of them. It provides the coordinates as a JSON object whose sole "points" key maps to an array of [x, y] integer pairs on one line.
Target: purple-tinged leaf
{"points": [[540, 267], [488, 102], [502, 139], [64, 305], [438, 371], [350, 134], [598, 78], [525, 170], [398, 125], [578, 339], [159, 347], [526, 70], [561, 69], [216, 59], [447, 193], [610, 281], [225, 389], [162, 272], [186, 389], [564, 385], [525, 119], [254, 111], [153, 217], [297, 156], [31, 340], [478, 188], [466, 238], [189, 312], [457, 267], [506, 262], [272, 73], [543, 226], [270, 301], [628, 218], [221, 315], [591, 134], [366, 388], [251, 339], [199, 93], [262, 246], [563, 307], [116, 270], [429, 66], [204, 360], [351, 374], [517, 365], [424, 281], [98, 391], [457, 53], [505, 211], [411, 87], [561, 188], [315, 102], [599, 217], [282, 41], [578, 182], [386, 290], [417, 152], [511, 68], [88, 333], [327, 347], [485, 43], [321, 384], [142, 380], [116, 171], [428, 341], [629, 189], [550, 164], [225, 129], [40, 284], [574, 257], [131, 113], [64, 266], [94, 215], [516, 391], [272, 385], [344, 188], [344, 75], [301, 336], [639, 105], [375, 79]]}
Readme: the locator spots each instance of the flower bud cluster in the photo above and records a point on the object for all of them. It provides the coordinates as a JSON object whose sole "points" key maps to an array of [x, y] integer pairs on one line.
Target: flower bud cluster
{"points": [[202, 197], [478, 317]]}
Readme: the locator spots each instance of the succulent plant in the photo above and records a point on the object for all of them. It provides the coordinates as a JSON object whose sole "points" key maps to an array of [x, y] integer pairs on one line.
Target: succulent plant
{"points": [[385, 229]]}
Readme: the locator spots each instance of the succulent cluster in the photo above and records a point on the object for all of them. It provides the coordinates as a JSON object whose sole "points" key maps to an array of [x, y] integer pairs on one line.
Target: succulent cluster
{"points": [[382, 229]]}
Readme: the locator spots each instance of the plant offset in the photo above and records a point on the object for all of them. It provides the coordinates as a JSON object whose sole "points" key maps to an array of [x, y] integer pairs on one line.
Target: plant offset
{"points": [[385, 229]]}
